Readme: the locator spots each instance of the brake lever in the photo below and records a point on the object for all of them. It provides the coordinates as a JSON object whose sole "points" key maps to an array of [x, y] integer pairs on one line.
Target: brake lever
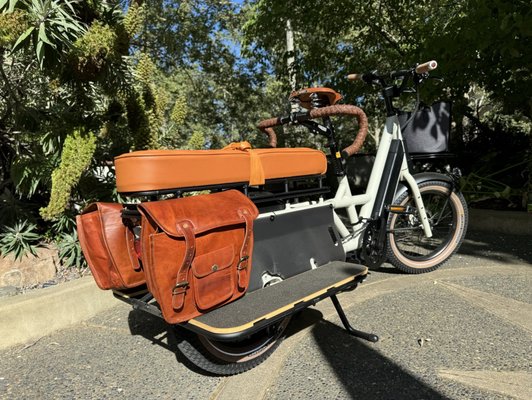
{"points": [[298, 117], [315, 128], [372, 78], [284, 120]]}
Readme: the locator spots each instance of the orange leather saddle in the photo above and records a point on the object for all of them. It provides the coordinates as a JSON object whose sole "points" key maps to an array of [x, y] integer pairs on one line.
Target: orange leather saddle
{"points": [[150, 170], [324, 96]]}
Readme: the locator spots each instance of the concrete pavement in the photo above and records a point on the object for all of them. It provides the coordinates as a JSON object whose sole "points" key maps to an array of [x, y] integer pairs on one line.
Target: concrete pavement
{"points": [[461, 332]]}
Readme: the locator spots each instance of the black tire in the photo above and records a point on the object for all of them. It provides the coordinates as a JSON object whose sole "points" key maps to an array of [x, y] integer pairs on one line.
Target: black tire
{"points": [[230, 358], [408, 249]]}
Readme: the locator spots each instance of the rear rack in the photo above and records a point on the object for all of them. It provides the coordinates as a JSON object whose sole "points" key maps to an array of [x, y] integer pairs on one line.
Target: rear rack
{"points": [[274, 190]]}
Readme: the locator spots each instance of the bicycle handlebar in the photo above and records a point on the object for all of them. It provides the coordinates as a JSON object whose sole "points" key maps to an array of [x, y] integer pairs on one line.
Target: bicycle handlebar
{"points": [[340, 109], [426, 67], [372, 77], [267, 125], [355, 77]]}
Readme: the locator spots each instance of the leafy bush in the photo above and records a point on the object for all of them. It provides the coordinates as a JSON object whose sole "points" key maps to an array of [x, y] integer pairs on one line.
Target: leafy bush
{"points": [[94, 51], [65, 223], [19, 240], [134, 19], [53, 27], [12, 25], [76, 157], [70, 253]]}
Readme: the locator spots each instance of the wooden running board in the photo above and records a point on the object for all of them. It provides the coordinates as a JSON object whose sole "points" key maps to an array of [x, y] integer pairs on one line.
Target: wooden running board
{"points": [[263, 307]]}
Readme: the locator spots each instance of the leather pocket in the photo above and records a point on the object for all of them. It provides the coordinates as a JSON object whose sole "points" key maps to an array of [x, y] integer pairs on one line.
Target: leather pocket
{"points": [[213, 277]]}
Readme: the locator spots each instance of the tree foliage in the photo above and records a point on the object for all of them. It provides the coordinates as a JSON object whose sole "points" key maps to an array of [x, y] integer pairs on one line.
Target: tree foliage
{"points": [[201, 73], [481, 47]]}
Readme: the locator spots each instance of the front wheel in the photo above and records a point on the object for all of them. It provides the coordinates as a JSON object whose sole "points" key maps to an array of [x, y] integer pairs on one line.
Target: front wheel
{"points": [[408, 249]]}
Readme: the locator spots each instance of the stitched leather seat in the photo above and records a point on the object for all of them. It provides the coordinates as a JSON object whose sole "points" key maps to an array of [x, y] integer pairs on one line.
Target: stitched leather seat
{"points": [[323, 95], [150, 170]]}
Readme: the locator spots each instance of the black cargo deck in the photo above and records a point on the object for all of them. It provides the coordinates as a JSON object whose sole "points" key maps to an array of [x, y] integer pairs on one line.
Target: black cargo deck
{"points": [[265, 306]]}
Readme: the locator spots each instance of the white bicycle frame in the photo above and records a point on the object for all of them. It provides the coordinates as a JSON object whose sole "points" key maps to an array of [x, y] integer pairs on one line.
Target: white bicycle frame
{"points": [[344, 199]]}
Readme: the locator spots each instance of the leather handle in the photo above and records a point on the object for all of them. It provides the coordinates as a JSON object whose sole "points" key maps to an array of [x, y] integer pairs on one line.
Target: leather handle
{"points": [[243, 267]]}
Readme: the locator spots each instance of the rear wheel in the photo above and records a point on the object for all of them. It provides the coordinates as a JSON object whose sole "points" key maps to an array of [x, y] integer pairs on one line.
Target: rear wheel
{"points": [[231, 358], [408, 248]]}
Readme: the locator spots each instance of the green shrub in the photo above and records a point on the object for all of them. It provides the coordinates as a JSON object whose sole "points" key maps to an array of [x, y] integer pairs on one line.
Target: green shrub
{"points": [[65, 223], [179, 111], [94, 51], [12, 25], [19, 240], [75, 158], [70, 253], [134, 19]]}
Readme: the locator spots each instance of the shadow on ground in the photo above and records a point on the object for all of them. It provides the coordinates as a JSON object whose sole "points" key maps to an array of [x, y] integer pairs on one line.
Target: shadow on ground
{"points": [[363, 372], [500, 247], [159, 333]]}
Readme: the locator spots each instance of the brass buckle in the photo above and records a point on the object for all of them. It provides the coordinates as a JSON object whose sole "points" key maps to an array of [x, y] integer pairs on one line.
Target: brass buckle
{"points": [[238, 267], [179, 285]]}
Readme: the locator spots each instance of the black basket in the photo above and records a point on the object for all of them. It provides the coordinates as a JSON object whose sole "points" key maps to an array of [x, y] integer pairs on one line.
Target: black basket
{"points": [[428, 131]]}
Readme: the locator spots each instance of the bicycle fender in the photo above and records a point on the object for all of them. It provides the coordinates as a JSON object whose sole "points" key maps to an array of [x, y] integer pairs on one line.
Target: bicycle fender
{"points": [[424, 177]]}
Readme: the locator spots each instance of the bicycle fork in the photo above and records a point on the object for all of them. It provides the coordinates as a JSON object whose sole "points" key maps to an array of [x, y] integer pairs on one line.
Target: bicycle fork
{"points": [[416, 194]]}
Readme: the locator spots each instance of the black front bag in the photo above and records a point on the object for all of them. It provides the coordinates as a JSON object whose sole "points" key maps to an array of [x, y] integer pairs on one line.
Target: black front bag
{"points": [[428, 130]]}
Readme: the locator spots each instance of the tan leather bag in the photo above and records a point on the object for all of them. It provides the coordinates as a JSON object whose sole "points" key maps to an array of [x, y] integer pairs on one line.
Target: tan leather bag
{"points": [[196, 251], [108, 247]]}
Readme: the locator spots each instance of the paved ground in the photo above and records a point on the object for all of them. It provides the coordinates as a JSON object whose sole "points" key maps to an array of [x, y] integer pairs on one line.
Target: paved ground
{"points": [[462, 332]]}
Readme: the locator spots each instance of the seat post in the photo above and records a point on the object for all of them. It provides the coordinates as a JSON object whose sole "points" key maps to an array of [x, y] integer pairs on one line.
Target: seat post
{"points": [[336, 158]]}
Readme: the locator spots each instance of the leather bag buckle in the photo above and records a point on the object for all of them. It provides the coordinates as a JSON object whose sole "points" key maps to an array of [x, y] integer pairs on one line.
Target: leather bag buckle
{"points": [[242, 259], [179, 285]]}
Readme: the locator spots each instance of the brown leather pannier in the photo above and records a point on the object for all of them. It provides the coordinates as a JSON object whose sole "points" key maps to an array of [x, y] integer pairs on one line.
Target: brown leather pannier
{"points": [[108, 246], [196, 251]]}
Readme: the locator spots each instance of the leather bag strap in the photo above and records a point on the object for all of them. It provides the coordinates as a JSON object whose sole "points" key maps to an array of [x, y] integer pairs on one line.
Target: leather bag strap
{"points": [[242, 266], [178, 292]]}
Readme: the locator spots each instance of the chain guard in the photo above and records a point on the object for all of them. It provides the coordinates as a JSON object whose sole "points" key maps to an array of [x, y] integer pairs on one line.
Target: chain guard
{"points": [[373, 243]]}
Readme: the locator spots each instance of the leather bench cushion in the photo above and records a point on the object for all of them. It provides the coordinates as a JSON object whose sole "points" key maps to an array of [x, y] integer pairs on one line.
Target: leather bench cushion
{"points": [[150, 170], [290, 162]]}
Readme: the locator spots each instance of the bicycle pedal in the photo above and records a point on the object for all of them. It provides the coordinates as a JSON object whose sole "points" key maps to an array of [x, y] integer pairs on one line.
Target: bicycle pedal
{"points": [[398, 209]]}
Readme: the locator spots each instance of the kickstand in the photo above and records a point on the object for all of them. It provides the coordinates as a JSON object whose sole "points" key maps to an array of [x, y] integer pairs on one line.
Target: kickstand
{"points": [[352, 331]]}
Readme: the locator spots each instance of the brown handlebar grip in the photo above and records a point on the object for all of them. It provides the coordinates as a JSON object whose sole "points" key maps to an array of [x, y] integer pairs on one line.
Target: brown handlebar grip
{"points": [[426, 67], [354, 77], [345, 109], [267, 127]]}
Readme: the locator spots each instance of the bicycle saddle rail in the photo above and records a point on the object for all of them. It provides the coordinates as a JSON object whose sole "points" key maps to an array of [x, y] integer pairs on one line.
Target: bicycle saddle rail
{"points": [[340, 109]]}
